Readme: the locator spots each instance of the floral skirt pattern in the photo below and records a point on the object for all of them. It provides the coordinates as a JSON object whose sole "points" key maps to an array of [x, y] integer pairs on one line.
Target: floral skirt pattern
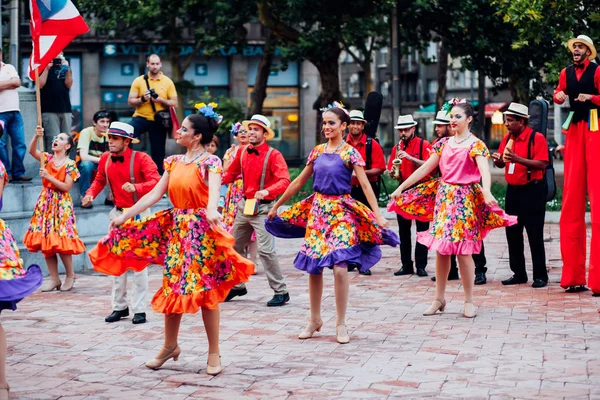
{"points": [[15, 282], [338, 230], [461, 219], [52, 229], [200, 265], [235, 194]]}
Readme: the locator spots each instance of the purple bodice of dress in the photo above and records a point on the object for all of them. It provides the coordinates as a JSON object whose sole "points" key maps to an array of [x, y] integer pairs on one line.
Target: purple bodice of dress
{"points": [[331, 175]]}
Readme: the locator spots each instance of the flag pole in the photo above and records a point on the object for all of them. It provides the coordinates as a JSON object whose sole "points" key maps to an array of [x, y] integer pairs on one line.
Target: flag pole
{"points": [[39, 114]]}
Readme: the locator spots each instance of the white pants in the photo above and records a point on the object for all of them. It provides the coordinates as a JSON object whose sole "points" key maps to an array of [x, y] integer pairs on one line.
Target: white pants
{"points": [[140, 281]]}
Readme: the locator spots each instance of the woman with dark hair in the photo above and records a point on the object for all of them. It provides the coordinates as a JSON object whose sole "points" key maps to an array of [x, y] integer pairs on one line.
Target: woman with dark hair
{"points": [[15, 282], [463, 210], [52, 229], [200, 265], [338, 230]]}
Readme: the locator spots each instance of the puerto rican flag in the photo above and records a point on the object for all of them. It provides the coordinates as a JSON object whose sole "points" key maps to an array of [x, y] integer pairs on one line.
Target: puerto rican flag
{"points": [[54, 24]]}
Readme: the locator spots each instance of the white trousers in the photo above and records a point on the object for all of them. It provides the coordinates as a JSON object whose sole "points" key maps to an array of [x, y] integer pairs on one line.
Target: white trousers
{"points": [[140, 282]]}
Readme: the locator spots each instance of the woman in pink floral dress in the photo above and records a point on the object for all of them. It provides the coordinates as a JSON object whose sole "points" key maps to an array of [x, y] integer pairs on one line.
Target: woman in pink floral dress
{"points": [[463, 210], [200, 265], [52, 229]]}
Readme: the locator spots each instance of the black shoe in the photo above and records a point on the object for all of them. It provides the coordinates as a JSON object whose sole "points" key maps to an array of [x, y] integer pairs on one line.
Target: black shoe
{"points": [[453, 275], [513, 280], [117, 315], [538, 283], [88, 207], [352, 267], [139, 318], [367, 272], [404, 271], [480, 278], [279, 300], [22, 179], [421, 272], [236, 292], [595, 294], [108, 202], [576, 289]]}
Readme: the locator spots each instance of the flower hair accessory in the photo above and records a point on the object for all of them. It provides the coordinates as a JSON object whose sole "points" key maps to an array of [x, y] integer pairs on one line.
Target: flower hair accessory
{"points": [[451, 103], [335, 104], [208, 110], [235, 128]]}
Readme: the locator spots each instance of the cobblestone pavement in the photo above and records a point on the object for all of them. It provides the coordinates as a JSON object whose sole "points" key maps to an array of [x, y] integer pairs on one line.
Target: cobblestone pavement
{"points": [[524, 342]]}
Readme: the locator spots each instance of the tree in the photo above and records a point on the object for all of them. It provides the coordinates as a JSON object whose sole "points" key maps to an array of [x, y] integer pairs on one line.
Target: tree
{"points": [[206, 26], [259, 92], [317, 31]]}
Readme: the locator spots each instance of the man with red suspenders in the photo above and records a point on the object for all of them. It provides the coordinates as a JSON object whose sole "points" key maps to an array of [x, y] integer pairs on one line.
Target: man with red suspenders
{"points": [[129, 175]]}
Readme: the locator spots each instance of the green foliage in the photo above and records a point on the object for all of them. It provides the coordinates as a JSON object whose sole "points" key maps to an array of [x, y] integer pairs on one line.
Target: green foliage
{"points": [[232, 110]]}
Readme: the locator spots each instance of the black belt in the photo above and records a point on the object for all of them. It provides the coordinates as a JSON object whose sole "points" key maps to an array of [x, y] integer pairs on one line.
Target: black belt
{"points": [[262, 201]]}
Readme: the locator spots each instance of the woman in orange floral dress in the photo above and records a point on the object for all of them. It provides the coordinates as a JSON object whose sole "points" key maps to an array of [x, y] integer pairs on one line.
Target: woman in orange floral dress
{"points": [[52, 229], [200, 263], [463, 210]]}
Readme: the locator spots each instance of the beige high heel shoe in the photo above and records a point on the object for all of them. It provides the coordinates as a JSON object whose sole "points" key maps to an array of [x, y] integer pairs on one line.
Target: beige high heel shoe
{"points": [[4, 392], [68, 285], [50, 285], [341, 334], [156, 363], [213, 370], [435, 306], [469, 310], [310, 329]]}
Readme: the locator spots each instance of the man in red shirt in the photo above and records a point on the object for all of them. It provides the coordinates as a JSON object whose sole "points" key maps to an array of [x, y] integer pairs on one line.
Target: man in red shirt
{"points": [[413, 151], [129, 175], [265, 176], [372, 153], [580, 83], [524, 155]]}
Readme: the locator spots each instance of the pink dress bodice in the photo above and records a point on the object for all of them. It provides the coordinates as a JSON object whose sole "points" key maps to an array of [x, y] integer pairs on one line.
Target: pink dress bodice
{"points": [[457, 165]]}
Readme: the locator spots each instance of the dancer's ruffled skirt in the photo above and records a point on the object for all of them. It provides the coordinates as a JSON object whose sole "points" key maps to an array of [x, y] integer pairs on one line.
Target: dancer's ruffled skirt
{"points": [[200, 265], [338, 230], [16, 283], [460, 217]]}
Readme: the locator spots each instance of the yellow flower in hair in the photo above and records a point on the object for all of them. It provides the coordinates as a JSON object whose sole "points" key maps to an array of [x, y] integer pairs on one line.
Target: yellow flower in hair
{"points": [[213, 104], [198, 106]]}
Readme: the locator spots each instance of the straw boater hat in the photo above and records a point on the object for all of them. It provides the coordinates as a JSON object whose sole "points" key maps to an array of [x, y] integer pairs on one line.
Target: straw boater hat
{"points": [[121, 129], [585, 40], [405, 121], [520, 110], [441, 118], [262, 121], [357, 115]]}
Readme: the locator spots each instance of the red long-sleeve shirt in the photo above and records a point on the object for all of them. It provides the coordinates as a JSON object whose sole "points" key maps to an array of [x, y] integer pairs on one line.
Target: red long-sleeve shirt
{"points": [[144, 171], [277, 178], [562, 82]]}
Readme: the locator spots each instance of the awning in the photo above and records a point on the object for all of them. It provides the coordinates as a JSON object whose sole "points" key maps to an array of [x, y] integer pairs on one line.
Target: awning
{"points": [[491, 107]]}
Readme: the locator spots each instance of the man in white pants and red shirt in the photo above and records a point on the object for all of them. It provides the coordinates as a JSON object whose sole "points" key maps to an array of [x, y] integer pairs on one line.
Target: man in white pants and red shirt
{"points": [[129, 175]]}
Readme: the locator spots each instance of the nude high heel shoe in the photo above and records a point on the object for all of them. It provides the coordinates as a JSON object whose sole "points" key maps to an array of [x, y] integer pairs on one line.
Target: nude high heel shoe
{"points": [[214, 369], [4, 392], [469, 310], [156, 363], [68, 285], [310, 329], [50, 285], [342, 336], [435, 306]]}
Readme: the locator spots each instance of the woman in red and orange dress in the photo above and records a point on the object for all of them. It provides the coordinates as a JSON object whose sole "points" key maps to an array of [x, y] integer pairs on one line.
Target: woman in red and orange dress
{"points": [[200, 265], [52, 229]]}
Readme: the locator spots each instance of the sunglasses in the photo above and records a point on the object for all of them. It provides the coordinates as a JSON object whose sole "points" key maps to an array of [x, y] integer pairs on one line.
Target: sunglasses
{"points": [[102, 115]]}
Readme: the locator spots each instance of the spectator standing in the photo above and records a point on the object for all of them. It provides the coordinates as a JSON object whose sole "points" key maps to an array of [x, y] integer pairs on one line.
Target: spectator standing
{"points": [[92, 144], [13, 122], [150, 93], [55, 82]]}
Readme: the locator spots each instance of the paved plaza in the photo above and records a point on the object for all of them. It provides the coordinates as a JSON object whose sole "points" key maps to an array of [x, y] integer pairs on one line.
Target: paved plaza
{"points": [[524, 343]]}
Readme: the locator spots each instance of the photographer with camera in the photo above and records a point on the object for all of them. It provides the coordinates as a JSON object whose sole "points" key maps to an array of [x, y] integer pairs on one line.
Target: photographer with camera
{"points": [[151, 95], [55, 83]]}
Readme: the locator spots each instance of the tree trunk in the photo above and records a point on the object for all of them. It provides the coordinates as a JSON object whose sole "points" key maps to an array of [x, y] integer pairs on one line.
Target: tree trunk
{"points": [[259, 92], [481, 95], [519, 90], [330, 82], [440, 97], [366, 66], [177, 77]]}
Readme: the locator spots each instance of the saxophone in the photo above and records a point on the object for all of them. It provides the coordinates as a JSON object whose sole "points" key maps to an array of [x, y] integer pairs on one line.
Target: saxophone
{"points": [[396, 163]]}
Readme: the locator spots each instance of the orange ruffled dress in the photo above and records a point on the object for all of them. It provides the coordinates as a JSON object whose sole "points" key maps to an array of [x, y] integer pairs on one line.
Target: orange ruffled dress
{"points": [[200, 265], [52, 229]]}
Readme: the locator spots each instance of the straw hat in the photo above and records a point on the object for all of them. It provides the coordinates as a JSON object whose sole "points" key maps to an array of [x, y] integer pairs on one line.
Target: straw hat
{"points": [[357, 115], [121, 129], [585, 40], [405, 121], [262, 121], [441, 118], [520, 110]]}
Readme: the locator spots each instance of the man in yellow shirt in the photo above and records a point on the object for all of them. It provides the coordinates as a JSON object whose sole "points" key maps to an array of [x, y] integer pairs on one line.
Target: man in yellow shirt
{"points": [[150, 93]]}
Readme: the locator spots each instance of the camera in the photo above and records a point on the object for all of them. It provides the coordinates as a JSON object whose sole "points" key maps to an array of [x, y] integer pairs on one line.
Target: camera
{"points": [[153, 93], [57, 62]]}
